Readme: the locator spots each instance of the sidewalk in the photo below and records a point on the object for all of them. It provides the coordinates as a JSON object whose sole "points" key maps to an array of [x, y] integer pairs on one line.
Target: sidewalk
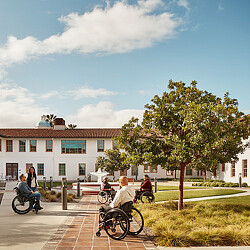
{"points": [[214, 197], [80, 232], [52, 228]]}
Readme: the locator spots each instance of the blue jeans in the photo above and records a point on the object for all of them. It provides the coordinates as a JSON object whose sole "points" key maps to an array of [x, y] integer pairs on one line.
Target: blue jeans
{"points": [[33, 189], [37, 195]]}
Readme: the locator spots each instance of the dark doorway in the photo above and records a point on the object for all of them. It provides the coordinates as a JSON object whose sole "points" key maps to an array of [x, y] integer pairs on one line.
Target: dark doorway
{"points": [[12, 170]]}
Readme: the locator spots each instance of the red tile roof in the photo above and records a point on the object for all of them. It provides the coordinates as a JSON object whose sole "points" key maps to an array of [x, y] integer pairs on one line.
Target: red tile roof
{"points": [[68, 133]]}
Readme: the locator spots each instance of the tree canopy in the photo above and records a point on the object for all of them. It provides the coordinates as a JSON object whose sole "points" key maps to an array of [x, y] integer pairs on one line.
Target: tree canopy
{"points": [[113, 160], [187, 127]]}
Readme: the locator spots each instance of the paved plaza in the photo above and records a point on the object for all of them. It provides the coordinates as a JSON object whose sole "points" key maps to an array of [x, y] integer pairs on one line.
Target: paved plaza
{"points": [[75, 228]]}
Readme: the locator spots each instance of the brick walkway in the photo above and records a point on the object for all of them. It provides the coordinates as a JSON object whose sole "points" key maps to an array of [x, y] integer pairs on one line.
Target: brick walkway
{"points": [[78, 232]]}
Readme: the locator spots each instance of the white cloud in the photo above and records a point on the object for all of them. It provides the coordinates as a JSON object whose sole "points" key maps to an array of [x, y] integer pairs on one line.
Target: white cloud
{"points": [[21, 109], [220, 7], [86, 92], [102, 115], [116, 28], [50, 94], [184, 4], [18, 107], [143, 92]]}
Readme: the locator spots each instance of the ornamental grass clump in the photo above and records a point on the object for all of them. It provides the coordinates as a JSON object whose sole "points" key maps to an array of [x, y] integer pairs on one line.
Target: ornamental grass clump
{"points": [[198, 224]]}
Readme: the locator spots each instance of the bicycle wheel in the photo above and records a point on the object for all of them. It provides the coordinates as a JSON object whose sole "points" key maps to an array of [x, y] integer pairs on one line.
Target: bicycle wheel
{"points": [[116, 224], [22, 204], [136, 222], [147, 197], [102, 197]]}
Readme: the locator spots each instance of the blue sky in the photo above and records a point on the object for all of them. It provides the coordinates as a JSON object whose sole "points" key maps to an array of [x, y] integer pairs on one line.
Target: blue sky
{"points": [[97, 63]]}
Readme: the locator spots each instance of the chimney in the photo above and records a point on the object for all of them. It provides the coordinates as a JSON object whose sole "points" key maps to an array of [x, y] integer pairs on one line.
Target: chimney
{"points": [[59, 124]]}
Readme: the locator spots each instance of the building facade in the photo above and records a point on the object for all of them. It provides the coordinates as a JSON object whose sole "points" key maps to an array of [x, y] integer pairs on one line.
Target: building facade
{"points": [[59, 152]]}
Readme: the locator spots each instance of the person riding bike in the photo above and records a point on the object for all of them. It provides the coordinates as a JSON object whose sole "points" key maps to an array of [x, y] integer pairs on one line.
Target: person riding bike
{"points": [[27, 191], [105, 186], [146, 185]]}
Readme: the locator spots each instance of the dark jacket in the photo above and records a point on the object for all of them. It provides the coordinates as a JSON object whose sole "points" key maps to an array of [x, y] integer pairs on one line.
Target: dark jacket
{"points": [[106, 185], [29, 179], [146, 185], [24, 188]]}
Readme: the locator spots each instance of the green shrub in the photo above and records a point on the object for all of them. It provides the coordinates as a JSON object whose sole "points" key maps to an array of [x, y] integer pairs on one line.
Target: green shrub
{"points": [[214, 184], [52, 192], [244, 184], [235, 184], [226, 185], [72, 195], [58, 195], [47, 194], [69, 198], [222, 184], [52, 198], [194, 184], [231, 184], [42, 192]]}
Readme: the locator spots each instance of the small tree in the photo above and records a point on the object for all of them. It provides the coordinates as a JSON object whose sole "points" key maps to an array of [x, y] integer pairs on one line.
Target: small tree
{"points": [[71, 126], [187, 127], [113, 160], [51, 118]]}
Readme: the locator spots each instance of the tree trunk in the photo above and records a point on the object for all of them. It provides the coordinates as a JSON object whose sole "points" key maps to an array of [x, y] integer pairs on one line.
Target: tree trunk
{"points": [[180, 204], [204, 175], [175, 174]]}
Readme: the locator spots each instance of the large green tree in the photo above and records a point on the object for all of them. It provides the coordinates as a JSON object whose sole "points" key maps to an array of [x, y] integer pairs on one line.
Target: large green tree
{"points": [[113, 160], [187, 127]]}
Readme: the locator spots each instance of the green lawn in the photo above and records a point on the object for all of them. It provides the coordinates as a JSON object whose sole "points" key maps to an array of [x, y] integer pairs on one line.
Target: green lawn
{"points": [[162, 187], [174, 195], [221, 222]]}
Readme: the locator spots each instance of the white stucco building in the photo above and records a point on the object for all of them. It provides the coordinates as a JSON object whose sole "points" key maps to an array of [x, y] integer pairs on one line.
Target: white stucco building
{"points": [[230, 172], [72, 153]]}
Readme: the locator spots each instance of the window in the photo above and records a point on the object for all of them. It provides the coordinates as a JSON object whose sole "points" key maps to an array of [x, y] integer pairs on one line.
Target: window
{"points": [[150, 169], [49, 145], [244, 168], [223, 167], [169, 172], [32, 145], [40, 168], [82, 168], [73, 147], [123, 172], [188, 171], [22, 145], [232, 168], [199, 173], [114, 144], [100, 145], [9, 146], [134, 170], [62, 169], [28, 165]]}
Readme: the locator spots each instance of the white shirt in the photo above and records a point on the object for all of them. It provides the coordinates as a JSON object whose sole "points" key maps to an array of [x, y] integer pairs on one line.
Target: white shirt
{"points": [[125, 194]]}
